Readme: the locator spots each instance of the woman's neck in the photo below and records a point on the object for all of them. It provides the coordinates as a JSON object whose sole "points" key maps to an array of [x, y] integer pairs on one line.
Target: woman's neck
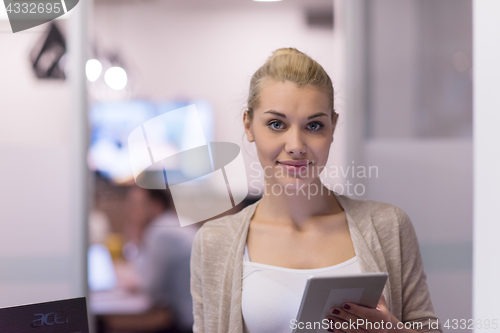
{"points": [[297, 206]]}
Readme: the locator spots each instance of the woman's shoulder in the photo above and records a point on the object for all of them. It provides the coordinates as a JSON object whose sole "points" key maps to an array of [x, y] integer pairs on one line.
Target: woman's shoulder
{"points": [[381, 220], [376, 212], [225, 228]]}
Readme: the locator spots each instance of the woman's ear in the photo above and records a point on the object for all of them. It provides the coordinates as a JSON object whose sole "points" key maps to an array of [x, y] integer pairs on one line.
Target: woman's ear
{"points": [[334, 121], [248, 126]]}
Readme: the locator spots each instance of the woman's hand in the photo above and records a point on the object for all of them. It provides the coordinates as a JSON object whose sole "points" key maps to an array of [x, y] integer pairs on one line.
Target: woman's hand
{"points": [[356, 318]]}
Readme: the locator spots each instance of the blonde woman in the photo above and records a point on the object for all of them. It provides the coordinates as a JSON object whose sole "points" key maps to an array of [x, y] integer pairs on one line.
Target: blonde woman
{"points": [[249, 270]]}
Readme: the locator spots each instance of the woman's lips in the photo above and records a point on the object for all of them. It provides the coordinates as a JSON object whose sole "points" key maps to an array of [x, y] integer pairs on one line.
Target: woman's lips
{"points": [[295, 166], [296, 163]]}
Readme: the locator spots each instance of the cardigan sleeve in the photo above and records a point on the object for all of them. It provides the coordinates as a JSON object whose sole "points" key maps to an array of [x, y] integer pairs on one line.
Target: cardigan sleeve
{"points": [[416, 304], [196, 284]]}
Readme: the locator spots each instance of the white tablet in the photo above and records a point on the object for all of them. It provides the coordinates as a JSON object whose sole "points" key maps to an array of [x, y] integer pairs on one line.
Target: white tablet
{"points": [[323, 293]]}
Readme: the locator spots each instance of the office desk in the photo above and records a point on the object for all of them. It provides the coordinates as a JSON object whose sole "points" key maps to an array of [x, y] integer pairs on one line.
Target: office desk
{"points": [[119, 311], [126, 309]]}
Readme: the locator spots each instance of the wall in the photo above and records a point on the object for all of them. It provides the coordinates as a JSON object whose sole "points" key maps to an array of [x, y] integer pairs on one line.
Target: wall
{"points": [[486, 160], [41, 243]]}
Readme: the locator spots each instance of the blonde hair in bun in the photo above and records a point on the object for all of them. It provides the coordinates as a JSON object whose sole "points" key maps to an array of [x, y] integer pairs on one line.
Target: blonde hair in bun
{"points": [[289, 64]]}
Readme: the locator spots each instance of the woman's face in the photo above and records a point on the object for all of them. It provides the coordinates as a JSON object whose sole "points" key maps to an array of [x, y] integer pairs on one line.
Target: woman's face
{"points": [[292, 129]]}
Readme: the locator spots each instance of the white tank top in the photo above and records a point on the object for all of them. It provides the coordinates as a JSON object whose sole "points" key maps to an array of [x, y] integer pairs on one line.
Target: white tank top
{"points": [[271, 295]]}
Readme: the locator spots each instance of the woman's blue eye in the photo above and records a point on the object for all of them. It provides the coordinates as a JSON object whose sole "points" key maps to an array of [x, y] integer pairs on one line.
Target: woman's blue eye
{"points": [[316, 126], [275, 125]]}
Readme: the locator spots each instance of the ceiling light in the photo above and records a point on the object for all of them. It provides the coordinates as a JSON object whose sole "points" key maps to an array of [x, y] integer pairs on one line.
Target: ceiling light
{"points": [[93, 68], [116, 78]]}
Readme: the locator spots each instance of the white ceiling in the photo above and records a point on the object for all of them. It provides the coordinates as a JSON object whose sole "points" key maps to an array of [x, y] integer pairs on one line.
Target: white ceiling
{"points": [[207, 4], [223, 4], [210, 4]]}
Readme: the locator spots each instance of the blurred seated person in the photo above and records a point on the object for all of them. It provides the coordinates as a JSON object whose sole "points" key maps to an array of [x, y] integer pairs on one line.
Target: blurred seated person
{"points": [[163, 252]]}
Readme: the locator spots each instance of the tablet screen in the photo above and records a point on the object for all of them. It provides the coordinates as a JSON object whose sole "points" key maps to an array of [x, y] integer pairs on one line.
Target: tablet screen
{"points": [[322, 293]]}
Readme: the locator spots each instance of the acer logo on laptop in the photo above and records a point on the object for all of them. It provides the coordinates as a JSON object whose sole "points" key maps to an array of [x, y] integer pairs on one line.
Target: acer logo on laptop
{"points": [[52, 318], [62, 316]]}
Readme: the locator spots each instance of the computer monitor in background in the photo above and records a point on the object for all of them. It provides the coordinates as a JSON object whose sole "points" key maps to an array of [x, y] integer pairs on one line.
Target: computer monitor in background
{"points": [[101, 271], [112, 122]]}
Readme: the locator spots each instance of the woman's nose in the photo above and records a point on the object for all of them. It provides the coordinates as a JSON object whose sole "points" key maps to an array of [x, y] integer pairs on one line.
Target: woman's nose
{"points": [[294, 143]]}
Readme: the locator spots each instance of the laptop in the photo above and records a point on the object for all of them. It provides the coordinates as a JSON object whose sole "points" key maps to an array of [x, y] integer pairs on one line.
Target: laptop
{"points": [[68, 316]]}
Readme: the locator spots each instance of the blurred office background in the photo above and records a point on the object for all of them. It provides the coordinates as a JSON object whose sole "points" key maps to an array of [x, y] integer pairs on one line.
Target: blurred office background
{"points": [[402, 70]]}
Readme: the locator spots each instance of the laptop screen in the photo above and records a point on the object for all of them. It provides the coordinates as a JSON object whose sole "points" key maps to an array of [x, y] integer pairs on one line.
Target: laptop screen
{"points": [[68, 316], [101, 271]]}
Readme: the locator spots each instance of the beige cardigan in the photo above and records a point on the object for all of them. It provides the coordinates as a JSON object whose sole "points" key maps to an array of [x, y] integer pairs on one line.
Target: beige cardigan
{"points": [[384, 241]]}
